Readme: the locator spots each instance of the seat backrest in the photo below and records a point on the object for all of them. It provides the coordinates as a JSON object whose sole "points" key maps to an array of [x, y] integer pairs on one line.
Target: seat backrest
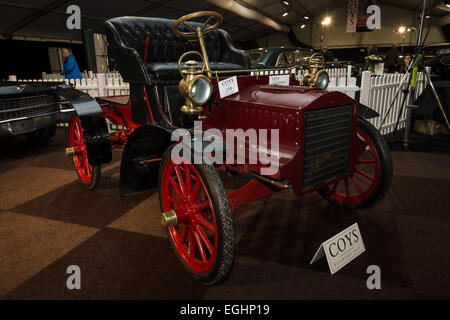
{"points": [[152, 40]]}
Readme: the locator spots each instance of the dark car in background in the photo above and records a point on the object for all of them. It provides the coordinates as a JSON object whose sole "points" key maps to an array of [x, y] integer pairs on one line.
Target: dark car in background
{"points": [[277, 57], [34, 109], [282, 57], [438, 58]]}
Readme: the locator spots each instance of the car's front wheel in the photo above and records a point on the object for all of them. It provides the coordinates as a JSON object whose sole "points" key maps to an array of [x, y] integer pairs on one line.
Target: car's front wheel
{"points": [[202, 238]]}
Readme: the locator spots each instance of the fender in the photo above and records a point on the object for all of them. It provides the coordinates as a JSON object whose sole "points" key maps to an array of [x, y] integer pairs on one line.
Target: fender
{"points": [[94, 124], [143, 152], [364, 112], [141, 158]]}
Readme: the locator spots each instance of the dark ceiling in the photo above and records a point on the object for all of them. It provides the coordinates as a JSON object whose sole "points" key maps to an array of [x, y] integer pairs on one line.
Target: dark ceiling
{"points": [[47, 18]]}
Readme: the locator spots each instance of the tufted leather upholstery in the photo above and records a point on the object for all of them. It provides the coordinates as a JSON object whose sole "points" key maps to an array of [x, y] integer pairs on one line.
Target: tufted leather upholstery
{"points": [[128, 37]]}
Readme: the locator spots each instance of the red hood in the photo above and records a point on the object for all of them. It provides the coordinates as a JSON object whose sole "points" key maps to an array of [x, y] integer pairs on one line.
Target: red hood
{"points": [[290, 97]]}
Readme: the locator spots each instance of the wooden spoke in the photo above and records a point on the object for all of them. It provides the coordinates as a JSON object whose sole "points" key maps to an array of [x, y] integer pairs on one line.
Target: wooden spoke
{"points": [[200, 248], [347, 187], [180, 179], [202, 206], [187, 176], [205, 223], [205, 239], [175, 187], [175, 202], [357, 184], [365, 175]]}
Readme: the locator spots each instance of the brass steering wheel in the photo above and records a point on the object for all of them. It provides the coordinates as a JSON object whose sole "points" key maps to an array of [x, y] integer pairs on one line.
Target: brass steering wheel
{"points": [[204, 28]]}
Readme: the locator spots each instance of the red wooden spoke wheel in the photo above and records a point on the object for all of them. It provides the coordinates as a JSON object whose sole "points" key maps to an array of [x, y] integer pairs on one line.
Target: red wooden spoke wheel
{"points": [[371, 176], [202, 238], [89, 175]]}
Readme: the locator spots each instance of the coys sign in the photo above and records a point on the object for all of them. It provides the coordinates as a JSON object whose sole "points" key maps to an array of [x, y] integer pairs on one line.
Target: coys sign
{"points": [[341, 249], [363, 16], [352, 15]]}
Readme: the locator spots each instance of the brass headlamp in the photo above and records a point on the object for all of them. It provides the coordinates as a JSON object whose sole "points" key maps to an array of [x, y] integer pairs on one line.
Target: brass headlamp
{"points": [[316, 75], [195, 87]]}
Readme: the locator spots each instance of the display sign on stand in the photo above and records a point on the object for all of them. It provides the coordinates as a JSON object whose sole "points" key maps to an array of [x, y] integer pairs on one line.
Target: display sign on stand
{"points": [[341, 249]]}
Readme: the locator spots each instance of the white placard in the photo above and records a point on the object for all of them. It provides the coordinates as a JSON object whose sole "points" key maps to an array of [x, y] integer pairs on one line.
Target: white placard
{"points": [[281, 80], [379, 68], [352, 15], [341, 249], [228, 86]]}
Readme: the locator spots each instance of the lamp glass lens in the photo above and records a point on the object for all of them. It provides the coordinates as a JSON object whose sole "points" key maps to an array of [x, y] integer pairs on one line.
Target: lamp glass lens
{"points": [[322, 80], [201, 90]]}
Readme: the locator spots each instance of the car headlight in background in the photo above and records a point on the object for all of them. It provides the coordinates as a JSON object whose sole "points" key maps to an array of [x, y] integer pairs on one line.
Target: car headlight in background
{"points": [[200, 90], [321, 80]]}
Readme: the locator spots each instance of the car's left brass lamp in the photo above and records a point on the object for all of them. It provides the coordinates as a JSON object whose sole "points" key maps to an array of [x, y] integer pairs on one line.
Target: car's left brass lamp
{"points": [[195, 87]]}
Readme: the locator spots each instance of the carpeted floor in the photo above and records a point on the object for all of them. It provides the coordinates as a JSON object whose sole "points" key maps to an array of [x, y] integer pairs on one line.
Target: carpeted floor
{"points": [[48, 222]]}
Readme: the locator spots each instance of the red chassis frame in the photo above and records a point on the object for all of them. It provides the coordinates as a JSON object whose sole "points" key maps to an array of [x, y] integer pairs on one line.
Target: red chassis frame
{"points": [[266, 116], [118, 113]]}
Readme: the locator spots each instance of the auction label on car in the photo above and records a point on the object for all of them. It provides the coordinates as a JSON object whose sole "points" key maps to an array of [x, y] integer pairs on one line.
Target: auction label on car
{"points": [[281, 80], [341, 249], [228, 86]]}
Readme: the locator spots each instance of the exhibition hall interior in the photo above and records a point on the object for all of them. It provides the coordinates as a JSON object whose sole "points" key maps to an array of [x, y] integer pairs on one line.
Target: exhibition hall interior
{"points": [[224, 150]]}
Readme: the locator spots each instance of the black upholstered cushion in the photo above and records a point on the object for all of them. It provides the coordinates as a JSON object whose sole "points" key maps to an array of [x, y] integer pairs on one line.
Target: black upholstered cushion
{"points": [[156, 48]]}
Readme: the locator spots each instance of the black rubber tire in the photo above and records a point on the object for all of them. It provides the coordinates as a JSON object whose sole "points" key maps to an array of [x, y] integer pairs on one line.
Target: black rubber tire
{"points": [[385, 175], [224, 223], [93, 183], [42, 135], [96, 171]]}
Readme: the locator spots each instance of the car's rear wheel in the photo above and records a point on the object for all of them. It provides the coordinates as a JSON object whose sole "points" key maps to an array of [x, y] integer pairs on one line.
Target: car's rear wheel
{"points": [[88, 175], [202, 239], [371, 177], [42, 135]]}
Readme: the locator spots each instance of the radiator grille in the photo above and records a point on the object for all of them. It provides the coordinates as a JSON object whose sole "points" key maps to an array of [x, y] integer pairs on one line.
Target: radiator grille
{"points": [[26, 106], [327, 141]]}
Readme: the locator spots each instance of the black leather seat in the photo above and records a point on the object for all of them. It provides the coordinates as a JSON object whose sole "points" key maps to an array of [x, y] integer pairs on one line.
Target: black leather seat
{"points": [[147, 49]]}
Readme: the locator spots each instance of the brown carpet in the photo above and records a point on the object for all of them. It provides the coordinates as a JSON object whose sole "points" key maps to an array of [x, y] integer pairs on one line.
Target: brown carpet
{"points": [[48, 222]]}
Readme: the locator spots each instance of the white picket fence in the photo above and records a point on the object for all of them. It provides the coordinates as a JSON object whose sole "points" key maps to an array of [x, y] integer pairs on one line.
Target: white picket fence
{"points": [[95, 84], [341, 80], [376, 91]]}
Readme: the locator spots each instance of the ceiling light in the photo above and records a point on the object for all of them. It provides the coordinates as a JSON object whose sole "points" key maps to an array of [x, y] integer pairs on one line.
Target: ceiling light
{"points": [[326, 21], [401, 29], [306, 17], [285, 13], [302, 26], [285, 2]]}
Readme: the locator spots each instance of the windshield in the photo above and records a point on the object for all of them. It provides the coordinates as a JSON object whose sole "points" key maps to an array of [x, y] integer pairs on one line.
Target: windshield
{"points": [[255, 55]]}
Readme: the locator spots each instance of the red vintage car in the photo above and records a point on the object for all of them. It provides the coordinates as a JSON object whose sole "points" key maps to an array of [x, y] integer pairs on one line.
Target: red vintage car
{"points": [[325, 144]]}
